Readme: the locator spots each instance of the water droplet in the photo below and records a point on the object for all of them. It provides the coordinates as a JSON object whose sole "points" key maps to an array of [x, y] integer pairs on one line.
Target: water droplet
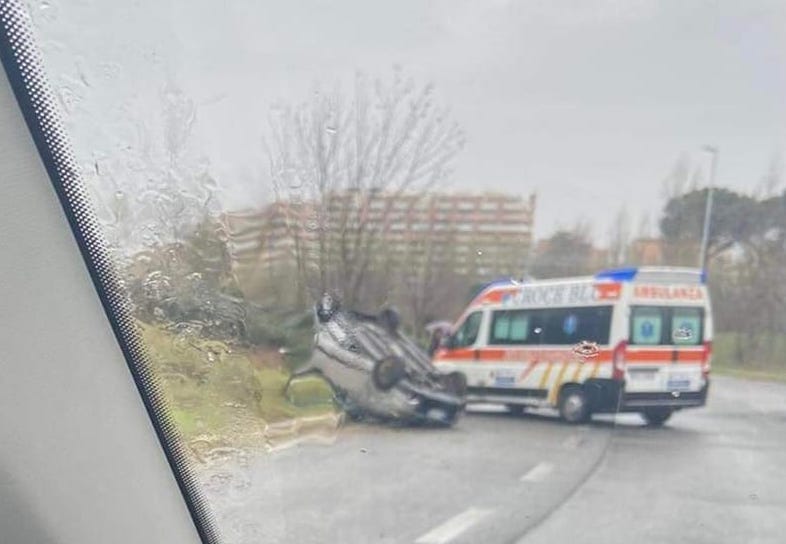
{"points": [[109, 70], [67, 98], [330, 129], [119, 195], [480, 252]]}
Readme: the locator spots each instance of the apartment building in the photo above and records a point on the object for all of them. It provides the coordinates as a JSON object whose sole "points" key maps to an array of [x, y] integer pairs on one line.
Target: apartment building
{"points": [[480, 236]]}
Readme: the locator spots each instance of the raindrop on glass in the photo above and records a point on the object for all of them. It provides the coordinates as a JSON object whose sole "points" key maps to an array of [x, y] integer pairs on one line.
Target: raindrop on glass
{"points": [[67, 99]]}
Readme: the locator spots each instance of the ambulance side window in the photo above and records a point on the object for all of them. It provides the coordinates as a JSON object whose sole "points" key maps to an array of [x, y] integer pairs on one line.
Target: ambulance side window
{"points": [[566, 326], [513, 327], [468, 332]]}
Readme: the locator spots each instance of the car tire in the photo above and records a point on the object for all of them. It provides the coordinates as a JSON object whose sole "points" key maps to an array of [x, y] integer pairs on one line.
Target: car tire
{"points": [[448, 417], [656, 417], [452, 417], [388, 372], [352, 411], [574, 405]]}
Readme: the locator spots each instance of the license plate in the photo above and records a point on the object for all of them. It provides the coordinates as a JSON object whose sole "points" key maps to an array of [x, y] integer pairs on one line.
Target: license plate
{"points": [[505, 379], [678, 384]]}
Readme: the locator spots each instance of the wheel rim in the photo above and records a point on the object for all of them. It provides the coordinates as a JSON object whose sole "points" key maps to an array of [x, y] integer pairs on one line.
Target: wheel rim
{"points": [[573, 407], [388, 372]]}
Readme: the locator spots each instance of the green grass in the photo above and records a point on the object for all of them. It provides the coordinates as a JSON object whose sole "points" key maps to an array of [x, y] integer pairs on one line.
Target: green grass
{"points": [[762, 358], [750, 374], [224, 394]]}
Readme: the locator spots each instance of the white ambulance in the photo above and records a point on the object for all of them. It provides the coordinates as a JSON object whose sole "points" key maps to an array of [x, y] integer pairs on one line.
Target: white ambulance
{"points": [[624, 340]]}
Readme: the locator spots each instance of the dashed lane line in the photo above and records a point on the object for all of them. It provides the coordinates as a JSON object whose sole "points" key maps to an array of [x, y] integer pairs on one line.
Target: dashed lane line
{"points": [[454, 526], [538, 473]]}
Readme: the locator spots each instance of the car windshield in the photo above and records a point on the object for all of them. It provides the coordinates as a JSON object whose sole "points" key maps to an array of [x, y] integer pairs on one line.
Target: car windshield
{"points": [[450, 271]]}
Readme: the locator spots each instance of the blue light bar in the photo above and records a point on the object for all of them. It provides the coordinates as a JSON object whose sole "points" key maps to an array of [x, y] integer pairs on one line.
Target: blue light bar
{"points": [[618, 274]]}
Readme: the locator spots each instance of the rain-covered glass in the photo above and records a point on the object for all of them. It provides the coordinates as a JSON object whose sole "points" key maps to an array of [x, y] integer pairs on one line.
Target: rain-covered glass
{"points": [[303, 200]]}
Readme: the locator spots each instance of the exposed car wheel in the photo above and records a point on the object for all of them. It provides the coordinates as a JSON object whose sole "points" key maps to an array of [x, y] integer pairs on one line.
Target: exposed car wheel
{"points": [[442, 416], [452, 417], [657, 417], [455, 383], [516, 409], [573, 405], [354, 413], [390, 319], [388, 372], [350, 408]]}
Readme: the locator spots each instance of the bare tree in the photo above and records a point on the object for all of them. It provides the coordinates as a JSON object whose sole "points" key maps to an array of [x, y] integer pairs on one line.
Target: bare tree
{"points": [[644, 229], [429, 282], [351, 156], [772, 180], [678, 180], [619, 237], [565, 253], [158, 190]]}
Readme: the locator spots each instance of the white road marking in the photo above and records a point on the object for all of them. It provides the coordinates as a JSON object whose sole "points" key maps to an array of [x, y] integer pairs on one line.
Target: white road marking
{"points": [[454, 526], [538, 472]]}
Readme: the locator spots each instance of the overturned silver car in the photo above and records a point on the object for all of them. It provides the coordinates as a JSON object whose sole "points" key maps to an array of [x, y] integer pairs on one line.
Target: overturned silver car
{"points": [[376, 371]]}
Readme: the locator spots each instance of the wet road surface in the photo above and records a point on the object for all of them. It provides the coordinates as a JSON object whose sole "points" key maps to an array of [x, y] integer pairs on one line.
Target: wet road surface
{"points": [[716, 474]]}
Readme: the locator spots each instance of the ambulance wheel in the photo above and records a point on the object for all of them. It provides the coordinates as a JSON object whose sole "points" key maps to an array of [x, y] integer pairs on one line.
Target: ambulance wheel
{"points": [[657, 416], [573, 405], [388, 372]]}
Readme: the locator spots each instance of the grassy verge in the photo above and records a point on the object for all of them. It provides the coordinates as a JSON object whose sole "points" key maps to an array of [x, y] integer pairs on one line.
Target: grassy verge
{"points": [[750, 374], [763, 360], [224, 395]]}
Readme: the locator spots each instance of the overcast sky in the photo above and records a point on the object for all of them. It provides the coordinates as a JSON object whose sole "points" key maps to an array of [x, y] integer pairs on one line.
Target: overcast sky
{"points": [[589, 104]]}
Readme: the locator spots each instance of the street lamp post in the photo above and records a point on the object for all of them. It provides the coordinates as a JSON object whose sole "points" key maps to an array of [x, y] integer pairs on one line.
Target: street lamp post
{"points": [[705, 234]]}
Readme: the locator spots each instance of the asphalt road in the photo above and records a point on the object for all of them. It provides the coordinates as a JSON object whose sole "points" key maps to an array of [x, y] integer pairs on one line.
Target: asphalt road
{"points": [[716, 474]]}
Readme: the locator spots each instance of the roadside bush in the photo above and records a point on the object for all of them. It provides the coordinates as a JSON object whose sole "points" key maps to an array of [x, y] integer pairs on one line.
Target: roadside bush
{"points": [[234, 379], [309, 391]]}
